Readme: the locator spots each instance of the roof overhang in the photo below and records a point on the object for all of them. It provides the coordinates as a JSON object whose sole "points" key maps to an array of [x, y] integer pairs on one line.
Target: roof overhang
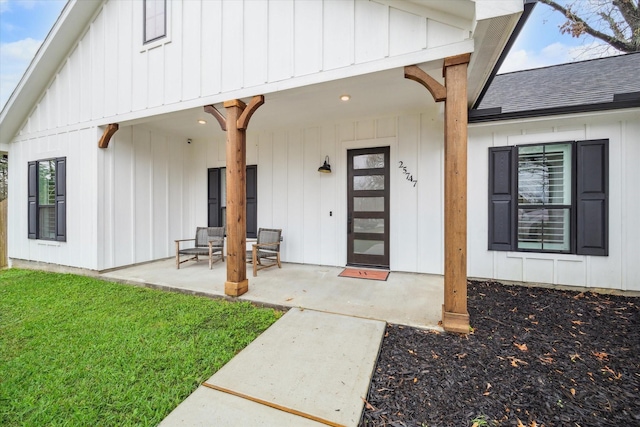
{"points": [[58, 43]]}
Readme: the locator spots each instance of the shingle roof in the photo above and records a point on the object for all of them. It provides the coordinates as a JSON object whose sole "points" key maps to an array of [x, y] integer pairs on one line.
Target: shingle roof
{"points": [[568, 85]]}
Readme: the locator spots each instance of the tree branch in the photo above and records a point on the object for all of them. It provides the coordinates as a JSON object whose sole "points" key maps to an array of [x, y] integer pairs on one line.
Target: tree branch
{"points": [[631, 13], [617, 32], [579, 26]]}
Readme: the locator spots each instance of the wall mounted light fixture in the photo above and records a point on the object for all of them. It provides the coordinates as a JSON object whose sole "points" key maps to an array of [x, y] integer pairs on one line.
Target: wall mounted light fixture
{"points": [[326, 167]]}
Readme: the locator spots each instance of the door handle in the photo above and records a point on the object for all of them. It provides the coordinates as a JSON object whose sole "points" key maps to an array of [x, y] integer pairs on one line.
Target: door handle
{"points": [[349, 220]]}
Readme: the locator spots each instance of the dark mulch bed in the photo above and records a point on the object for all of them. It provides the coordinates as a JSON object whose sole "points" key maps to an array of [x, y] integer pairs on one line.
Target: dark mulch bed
{"points": [[535, 357]]}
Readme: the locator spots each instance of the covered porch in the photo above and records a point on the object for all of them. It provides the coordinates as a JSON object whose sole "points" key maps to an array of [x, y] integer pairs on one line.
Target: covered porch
{"points": [[404, 298]]}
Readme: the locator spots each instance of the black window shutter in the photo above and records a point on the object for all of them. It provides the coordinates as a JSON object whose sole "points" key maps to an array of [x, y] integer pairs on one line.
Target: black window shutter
{"points": [[252, 201], [592, 182], [61, 202], [502, 198], [33, 200], [213, 197]]}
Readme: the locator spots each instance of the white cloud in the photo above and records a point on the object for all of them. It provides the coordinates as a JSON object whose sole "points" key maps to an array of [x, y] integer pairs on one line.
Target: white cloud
{"points": [[15, 58], [593, 50], [554, 54], [21, 50]]}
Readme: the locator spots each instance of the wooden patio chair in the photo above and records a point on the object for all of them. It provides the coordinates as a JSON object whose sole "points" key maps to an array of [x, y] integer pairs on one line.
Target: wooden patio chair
{"points": [[208, 242], [266, 248]]}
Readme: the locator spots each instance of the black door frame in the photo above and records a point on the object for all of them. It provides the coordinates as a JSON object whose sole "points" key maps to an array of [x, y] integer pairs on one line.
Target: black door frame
{"points": [[214, 202], [353, 258]]}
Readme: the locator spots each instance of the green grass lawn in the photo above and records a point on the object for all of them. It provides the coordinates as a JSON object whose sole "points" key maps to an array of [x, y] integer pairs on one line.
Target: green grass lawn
{"points": [[79, 351]]}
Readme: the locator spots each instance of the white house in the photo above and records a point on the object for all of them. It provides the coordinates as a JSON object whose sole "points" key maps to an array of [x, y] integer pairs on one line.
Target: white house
{"points": [[116, 146], [558, 150]]}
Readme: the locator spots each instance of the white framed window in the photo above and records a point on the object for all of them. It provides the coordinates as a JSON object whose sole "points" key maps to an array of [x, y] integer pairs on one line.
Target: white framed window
{"points": [[155, 21], [544, 197], [47, 213], [550, 198]]}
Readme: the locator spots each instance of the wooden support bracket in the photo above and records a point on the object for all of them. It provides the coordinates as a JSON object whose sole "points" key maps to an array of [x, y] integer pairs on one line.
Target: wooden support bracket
{"points": [[415, 73], [243, 120], [107, 134], [218, 115]]}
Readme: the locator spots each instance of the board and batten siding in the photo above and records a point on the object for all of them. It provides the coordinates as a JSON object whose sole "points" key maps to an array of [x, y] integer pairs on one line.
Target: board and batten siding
{"points": [[310, 207], [80, 249], [218, 50], [153, 185], [155, 190], [620, 269]]}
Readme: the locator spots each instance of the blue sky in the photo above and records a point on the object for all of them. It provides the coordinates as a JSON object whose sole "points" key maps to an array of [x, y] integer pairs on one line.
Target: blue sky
{"points": [[24, 24], [540, 43]]}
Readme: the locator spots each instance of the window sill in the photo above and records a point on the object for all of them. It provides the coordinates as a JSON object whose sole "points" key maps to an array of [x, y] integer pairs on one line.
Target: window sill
{"points": [[154, 44], [54, 243], [542, 255]]}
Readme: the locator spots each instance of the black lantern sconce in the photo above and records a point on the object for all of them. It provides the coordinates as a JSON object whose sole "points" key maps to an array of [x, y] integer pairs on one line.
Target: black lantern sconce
{"points": [[326, 167]]}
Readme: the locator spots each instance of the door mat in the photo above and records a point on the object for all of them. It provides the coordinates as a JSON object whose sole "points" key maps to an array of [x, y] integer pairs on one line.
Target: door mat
{"points": [[365, 274]]}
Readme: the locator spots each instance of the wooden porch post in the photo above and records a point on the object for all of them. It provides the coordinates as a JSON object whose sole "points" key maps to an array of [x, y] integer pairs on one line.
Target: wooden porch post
{"points": [[237, 283], [235, 125], [455, 317]]}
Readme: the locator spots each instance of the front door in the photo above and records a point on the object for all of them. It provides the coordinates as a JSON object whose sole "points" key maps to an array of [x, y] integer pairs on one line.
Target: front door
{"points": [[368, 207]]}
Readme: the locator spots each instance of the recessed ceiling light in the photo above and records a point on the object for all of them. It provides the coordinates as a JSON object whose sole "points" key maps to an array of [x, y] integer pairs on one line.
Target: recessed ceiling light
{"points": [[345, 97], [202, 122]]}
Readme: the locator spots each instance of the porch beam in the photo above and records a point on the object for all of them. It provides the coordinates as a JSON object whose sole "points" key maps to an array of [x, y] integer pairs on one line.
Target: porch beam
{"points": [[455, 317], [237, 282], [107, 134]]}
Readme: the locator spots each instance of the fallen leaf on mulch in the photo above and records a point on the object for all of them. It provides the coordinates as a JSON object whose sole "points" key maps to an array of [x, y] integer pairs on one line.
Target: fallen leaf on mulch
{"points": [[600, 355], [612, 372], [515, 361], [521, 347], [547, 360], [574, 374], [368, 405]]}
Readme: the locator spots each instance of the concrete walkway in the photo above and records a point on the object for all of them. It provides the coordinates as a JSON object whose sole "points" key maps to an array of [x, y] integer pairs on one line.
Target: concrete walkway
{"points": [[308, 369], [314, 365]]}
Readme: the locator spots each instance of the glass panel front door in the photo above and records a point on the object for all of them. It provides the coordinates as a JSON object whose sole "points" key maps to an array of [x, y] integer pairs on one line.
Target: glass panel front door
{"points": [[368, 207]]}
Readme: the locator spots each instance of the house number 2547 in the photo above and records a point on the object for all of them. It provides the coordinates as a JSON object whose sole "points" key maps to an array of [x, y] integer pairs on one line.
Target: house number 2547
{"points": [[407, 175]]}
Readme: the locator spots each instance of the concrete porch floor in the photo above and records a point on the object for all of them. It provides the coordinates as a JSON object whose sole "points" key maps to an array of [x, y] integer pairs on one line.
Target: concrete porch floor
{"points": [[404, 298]]}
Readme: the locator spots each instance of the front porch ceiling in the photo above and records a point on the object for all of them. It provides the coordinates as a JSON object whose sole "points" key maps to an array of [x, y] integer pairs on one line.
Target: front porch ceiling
{"points": [[373, 95]]}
